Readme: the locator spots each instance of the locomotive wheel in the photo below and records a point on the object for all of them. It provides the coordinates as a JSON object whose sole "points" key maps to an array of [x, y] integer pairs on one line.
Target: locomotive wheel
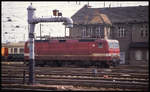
{"points": [[59, 64], [114, 64]]}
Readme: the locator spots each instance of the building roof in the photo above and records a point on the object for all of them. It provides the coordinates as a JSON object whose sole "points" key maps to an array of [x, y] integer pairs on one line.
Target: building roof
{"points": [[90, 16], [133, 14]]}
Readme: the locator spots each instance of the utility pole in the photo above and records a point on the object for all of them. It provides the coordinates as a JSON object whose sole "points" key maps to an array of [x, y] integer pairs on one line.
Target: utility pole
{"points": [[65, 31], [104, 4], [24, 37], [49, 34], [40, 31]]}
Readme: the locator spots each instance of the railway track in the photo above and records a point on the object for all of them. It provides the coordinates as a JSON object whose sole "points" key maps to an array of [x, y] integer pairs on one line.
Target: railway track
{"points": [[119, 78]]}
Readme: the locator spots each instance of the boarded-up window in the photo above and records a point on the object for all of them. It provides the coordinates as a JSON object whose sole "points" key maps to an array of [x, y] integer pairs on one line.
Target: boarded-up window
{"points": [[138, 55]]}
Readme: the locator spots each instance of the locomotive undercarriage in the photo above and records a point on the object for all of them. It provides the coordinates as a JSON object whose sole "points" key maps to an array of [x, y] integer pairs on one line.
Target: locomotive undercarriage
{"points": [[77, 63]]}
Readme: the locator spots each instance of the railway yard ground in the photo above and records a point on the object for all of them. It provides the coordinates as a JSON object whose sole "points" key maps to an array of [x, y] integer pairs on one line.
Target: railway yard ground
{"points": [[14, 76]]}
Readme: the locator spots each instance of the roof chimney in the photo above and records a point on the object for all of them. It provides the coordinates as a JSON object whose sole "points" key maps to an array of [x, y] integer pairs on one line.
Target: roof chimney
{"points": [[87, 6], [109, 5]]}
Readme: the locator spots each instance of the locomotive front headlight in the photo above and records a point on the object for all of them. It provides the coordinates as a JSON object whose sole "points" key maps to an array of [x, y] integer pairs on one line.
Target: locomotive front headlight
{"points": [[93, 45]]}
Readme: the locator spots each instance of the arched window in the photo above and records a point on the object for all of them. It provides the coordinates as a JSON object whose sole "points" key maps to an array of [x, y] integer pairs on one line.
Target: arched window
{"points": [[138, 55]]}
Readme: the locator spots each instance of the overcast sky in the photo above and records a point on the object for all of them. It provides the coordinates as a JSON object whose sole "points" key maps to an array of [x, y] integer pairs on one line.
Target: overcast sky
{"points": [[17, 11]]}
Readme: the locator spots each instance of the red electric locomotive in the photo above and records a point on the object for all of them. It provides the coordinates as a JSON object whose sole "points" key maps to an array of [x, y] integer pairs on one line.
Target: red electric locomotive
{"points": [[83, 52]]}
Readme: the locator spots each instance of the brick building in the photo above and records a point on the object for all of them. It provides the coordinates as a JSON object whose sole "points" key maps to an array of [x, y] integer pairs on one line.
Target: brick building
{"points": [[129, 25]]}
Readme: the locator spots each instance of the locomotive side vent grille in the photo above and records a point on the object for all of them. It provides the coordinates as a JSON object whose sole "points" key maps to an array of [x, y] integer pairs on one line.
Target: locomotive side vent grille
{"points": [[62, 40], [41, 40], [86, 40]]}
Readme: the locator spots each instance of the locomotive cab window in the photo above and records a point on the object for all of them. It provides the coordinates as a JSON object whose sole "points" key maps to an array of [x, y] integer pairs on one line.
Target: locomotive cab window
{"points": [[100, 45], [116, 45], [110, 44]]}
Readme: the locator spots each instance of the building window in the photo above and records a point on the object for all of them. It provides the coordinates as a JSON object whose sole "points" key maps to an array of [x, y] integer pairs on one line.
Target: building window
{"points": [[144, 31], [138, 55], [121, 32], [147, 55], [88, 32], [84, 32], [15, 50], [91, 33], [109, 32], [98, 31]]}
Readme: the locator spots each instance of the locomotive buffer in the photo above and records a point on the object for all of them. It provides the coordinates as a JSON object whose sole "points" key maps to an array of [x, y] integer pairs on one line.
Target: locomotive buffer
{"points": [[32, 20]]}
